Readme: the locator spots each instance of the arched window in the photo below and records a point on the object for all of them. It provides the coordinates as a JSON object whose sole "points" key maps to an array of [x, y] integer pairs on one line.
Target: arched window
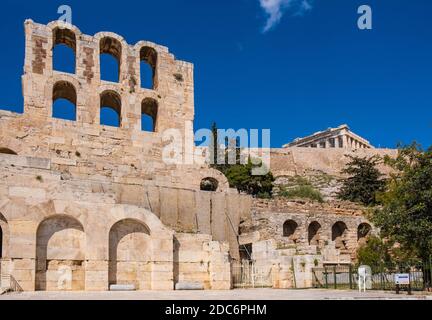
{"points": [[64, 50], [149, 111], [339, 231], [64, 101], [314, 232], [110, 59], [363, 232], [209, 184], [7, 151], [289, 230], [110, 109], [148, 59]]}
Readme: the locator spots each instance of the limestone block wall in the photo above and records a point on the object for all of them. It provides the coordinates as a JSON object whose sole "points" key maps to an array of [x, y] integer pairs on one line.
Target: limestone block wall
{"points": [[183, 210], [84, 235], [287, 269], [66, 245], [301, 161], [199, 259], [85, 205]]}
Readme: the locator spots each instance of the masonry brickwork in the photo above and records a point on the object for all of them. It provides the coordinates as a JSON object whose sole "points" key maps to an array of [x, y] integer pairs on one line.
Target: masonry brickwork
{"points": [[84, 206]]}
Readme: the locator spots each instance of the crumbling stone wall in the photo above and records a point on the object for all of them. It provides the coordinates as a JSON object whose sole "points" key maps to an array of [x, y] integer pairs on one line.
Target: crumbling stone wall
{"points": [[316, 226]]}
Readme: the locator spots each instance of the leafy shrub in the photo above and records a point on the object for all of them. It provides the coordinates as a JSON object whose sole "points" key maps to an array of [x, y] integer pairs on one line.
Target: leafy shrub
{"points": [[304, 191]]}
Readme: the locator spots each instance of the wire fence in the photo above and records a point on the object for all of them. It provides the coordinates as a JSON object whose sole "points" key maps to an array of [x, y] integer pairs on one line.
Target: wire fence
{"points": [[382, 277]]}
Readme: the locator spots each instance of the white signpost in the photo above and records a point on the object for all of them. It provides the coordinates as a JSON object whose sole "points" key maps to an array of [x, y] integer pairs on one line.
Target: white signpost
{"points": [[364, 278], [402, 278]]}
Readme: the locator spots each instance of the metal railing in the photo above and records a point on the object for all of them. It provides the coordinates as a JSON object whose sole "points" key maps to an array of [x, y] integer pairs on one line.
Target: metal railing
{"points": [[246, 274], [382, 278]]}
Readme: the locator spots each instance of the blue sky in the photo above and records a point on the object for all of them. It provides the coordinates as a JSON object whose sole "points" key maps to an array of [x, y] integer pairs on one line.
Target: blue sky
{"points": [[306, 69]]}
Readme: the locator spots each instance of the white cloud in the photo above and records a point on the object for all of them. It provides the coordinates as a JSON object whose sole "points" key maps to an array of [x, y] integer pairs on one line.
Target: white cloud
{"points": [[275, 9]]}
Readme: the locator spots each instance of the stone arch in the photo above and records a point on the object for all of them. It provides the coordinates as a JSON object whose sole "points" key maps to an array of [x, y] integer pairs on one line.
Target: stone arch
{"points": [[60, 254], [289, 230], [7, 151], [196, 179], [339, 233], [57, 24], [64, 90], [112, 100], [4, 237], [10, 143], [314, 233], [67, 37], [130, 254], [111, 44], [149, 56], [364, 230], [209, 184], [149, 108]]}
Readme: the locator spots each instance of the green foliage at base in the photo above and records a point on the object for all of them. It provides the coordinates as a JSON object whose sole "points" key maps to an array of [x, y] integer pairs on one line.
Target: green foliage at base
{"points": [[304, 191]]}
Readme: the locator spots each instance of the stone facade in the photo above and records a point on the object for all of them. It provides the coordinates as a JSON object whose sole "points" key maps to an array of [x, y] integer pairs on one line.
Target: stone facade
{"points": [[287, 238], [84, 206]]}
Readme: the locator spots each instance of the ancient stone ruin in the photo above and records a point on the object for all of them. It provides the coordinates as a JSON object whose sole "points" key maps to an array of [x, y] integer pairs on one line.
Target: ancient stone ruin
{"points": [[87, 206]]}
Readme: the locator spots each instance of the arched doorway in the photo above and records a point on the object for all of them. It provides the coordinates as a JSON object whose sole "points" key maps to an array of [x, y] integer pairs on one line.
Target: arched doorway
{"points": [[289, 230], [60, 255], [363, 232], [339, 231], [130, 250], [314, 233]]}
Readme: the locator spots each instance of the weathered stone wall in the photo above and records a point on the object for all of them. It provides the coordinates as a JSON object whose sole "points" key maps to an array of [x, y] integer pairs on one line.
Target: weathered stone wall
{"points": [[193, 211], [303, 161], [198, 259], [316, 227], [84, 205], [85, 241]]}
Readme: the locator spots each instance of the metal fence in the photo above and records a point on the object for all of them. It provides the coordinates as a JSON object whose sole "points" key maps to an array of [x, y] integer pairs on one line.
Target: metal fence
{"points": [[247, 274], [382, 278]]}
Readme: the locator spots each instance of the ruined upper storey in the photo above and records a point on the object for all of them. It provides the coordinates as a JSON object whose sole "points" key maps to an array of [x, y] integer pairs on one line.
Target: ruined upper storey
{"points": [[169, 101]]}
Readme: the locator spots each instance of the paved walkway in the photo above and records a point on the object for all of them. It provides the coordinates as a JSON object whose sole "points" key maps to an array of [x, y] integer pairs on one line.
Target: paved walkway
{"points": [[250, 294]]}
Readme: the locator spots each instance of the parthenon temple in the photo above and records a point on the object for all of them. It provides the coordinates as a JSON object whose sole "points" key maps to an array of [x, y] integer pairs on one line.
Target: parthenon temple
{"points": [[340, 137]]}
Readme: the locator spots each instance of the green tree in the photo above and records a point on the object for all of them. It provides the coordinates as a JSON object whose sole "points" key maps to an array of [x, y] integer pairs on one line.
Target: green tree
{"points": [[375, 253], [406, 213], [363, 182], [240, 175]]}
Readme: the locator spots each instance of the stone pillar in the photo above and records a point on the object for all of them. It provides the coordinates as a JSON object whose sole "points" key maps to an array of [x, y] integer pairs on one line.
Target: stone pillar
{"points": [[337, 142], [345, 141]]}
